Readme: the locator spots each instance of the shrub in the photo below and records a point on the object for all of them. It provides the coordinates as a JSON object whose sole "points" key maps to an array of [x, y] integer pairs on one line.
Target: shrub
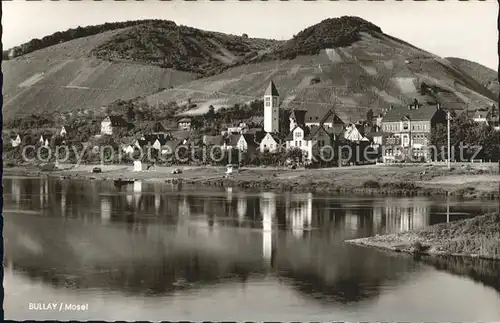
{"points": [[371, 184]]}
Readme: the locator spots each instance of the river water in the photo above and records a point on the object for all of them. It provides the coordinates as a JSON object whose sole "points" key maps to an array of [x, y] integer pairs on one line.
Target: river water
{"points": [[157, 252]]}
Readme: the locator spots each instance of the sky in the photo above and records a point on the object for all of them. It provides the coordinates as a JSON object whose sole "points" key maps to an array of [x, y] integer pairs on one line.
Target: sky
{"points": [[446, 28]]}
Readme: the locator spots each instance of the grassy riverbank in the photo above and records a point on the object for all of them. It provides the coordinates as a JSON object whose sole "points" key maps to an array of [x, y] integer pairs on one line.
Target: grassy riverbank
{"points": [[476, 237], [466, 181]]}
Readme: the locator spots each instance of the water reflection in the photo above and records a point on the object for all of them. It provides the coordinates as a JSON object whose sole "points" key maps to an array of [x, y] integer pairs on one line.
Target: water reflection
{"points": [[158, 241]]}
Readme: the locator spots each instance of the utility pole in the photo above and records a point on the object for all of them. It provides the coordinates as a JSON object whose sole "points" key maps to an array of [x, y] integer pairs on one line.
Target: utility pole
{"points": [[448, 118]]}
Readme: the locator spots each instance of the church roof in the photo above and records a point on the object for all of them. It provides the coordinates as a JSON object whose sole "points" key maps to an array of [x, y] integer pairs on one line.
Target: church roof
{"points": [[271, 90]]}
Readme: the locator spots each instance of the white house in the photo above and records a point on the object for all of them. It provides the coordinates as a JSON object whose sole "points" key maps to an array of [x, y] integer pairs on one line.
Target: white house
{"points": [[237, 129], [308, 139], [271, 109], [64, 131], [15, 141], [271, 142], [128, 149], [246, 142], [184, 124], [352, 133], [44, 140], [481, 116], [112, 122]]}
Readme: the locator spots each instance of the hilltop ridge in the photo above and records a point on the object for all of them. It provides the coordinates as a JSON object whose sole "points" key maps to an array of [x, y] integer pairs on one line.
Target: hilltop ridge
{"points": [[346, 61]]}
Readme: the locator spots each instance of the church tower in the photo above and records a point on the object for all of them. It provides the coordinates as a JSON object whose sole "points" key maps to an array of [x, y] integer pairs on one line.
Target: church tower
{"points": [[271, 109]]}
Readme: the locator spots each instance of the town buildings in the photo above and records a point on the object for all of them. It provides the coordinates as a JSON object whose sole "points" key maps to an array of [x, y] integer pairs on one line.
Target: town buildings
{"points": [[407, 130]]}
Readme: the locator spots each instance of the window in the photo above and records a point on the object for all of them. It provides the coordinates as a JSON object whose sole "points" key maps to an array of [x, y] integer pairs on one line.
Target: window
{"points": [[300, 143], [298, 135], [268, 101], [405, 125]]}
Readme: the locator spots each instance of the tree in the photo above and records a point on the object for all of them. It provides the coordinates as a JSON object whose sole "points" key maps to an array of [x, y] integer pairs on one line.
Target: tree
{"points": [[369, 117], [210, 115], [130, 113]]}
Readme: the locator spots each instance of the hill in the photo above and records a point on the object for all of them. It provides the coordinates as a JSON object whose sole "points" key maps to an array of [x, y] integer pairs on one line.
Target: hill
{"points": [[345, 61], [355, 68], [484, 75], [65, 77]]}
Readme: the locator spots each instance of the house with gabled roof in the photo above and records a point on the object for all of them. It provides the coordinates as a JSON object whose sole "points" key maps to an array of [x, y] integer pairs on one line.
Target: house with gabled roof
{"points": [[407, 130], [272, 142], [112, 122], [481, 116], [246, 142], [181, 136], [44, 140], [66, 130], [15, 140], [170, 146], [308, 139], [353, 133]]}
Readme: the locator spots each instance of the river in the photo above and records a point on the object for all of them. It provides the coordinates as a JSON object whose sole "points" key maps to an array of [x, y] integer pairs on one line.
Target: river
{"points": [[156, 252]]}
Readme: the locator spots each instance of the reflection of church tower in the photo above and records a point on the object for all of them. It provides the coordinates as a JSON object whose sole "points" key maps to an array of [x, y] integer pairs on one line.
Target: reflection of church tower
{"points": [[137, 192], [16, 190], [271, 109], [242, 208], [300, 213], [105, 209], [268, 209], [157, 199]]}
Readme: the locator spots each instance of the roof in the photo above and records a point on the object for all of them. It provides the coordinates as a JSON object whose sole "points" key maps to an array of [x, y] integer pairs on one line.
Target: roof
{"points": [[156, 126], [142, 143], [481, 113], [232, 140], [313, 131], [213, 140], [277, 137], [117, 120], [172, 144], [250, 139], [181, 135], [271, 90], [353, 133], [67, 128], [321, 115], [185, 120], [374, 134], [298, 115], [422, 113]]}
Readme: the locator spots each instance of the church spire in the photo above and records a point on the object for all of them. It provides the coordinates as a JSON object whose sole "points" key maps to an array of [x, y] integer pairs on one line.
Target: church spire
{"points": [[271, 90]]}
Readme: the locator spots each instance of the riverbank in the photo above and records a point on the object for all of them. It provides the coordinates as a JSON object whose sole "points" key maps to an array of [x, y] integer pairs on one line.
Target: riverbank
{"points": [[478, 237], [464, 181]]}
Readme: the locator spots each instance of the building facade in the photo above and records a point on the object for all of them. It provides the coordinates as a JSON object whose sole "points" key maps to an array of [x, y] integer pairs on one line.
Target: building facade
{"points": [[112, 122], [310, 140], [407, 131]]}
